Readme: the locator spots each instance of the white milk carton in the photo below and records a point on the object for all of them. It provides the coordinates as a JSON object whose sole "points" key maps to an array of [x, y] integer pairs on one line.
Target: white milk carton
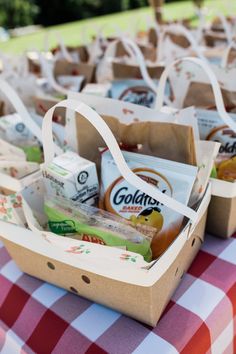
{"points": [[72, 177]]}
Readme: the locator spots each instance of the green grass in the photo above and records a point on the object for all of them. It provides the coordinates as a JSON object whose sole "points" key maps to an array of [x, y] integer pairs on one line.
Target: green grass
{"points": [[79, 32]]}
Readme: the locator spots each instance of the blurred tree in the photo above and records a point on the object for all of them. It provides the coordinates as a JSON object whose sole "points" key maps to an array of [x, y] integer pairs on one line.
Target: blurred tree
{"points": [[198, 3], [15, 13], [132, 4], [137, 3], [60, 11]]}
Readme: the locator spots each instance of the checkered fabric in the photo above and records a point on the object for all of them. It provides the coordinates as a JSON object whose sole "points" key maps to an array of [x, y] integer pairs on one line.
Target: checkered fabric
{"points": [[36, 317]]}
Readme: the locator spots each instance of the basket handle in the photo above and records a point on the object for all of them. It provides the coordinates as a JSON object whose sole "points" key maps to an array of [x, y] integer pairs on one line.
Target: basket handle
{"points": [[214, 84], [20, 108], [105, 132], [178, 29]]}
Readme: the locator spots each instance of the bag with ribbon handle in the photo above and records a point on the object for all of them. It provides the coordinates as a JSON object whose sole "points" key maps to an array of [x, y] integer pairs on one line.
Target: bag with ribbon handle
{"points": [[63, 52], [108, 138], [102, 40], [127, 66], [221, 32], [213, 125], [190, 85], [15, 172], [216, 125], [64, 73], [15, 72], [176, 41], [144, 131], [132, 80], [15, 149]]}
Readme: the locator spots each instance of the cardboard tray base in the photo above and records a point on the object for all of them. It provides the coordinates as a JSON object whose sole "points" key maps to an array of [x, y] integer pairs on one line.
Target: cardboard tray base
{"points": [[144, 303]]}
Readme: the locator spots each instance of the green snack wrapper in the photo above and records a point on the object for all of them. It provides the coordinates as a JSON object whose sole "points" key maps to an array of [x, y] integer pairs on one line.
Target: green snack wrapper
{"points": [[214, 172], [33, 153], [81, 221]]}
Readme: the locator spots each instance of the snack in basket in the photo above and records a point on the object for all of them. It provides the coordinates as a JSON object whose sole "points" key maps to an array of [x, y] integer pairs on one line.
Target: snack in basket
{"points": [[212, 128], [227, 170], [14, 131], [72, 177], [119, 197], [83, 222], [135, 91]]}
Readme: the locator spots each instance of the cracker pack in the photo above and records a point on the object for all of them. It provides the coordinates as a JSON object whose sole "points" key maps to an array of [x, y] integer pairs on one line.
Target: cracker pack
{"points": [[119, 197]]}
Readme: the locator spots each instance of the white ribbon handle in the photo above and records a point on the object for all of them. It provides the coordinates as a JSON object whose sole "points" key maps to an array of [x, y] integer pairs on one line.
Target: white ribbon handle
{"points": [[178, 29], [110, 50], [226, 27], [141, 62], [105, 132], [202, 22], [214, 84], [20, 108], [225, 58], [61, 43], [136, 53], [113, 27], [47, 70]]}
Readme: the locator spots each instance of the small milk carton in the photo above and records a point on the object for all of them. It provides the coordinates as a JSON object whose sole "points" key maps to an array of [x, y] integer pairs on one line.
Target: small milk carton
{"points": [[72, 177]]}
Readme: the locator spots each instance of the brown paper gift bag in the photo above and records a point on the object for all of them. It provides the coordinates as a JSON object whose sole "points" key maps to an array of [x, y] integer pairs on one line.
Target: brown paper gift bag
{"points": [[134, 125], [200, 92], [134, 65], [148, 51], [125, 71], [43, 104], [153, 136], [201, 95], [81, 50], [63, 67]]}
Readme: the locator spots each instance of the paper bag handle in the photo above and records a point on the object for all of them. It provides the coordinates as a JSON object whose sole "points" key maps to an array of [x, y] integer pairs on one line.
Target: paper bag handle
{"points": [[116, 29], [20, 108], [93, 117], [177, 29], [47, 70], [201, 23], [213, 81], [226, 27], [136, 53], [61, 43]]}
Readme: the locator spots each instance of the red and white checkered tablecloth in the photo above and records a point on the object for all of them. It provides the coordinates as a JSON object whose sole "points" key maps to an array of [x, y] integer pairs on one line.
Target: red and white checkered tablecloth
{"points": [[36, 317]]}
